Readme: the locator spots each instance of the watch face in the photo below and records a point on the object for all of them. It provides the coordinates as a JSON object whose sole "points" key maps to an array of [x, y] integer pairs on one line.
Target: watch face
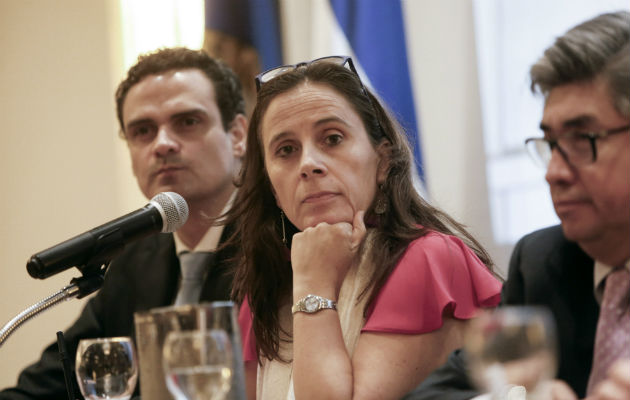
{"points": [[311, 303]]}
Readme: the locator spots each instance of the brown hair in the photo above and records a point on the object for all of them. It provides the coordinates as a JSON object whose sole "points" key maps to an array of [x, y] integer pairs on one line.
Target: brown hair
{"points": [[264, 273], [226, 85], [596, 48]]}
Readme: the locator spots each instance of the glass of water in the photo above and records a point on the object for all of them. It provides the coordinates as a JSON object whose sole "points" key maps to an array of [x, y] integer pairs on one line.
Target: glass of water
{"points": [[198, 364], [106, 368]]}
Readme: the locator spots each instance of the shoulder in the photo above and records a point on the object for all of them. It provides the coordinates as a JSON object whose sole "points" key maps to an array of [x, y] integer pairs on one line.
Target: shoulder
{"points": [[437, 275], [144, 253], [437, 254], [436, 244], [544, 261], [547, 246], [146, 264], [546, 238]]}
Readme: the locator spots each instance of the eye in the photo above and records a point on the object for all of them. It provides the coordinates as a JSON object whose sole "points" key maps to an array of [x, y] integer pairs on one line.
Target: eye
{"points": [[333, 139], [578, 141], [140, 132], [285, 150], [188, 121]]}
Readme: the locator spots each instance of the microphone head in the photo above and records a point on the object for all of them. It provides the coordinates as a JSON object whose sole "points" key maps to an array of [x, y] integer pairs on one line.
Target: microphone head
{"points": [[173, 208]]}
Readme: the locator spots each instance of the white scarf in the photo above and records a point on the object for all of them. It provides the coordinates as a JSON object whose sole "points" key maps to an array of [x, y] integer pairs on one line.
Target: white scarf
{"points": [[274, 378]]}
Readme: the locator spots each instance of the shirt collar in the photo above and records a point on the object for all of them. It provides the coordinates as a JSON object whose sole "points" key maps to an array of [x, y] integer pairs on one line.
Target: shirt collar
{"points": [[600, 273], [210, 240]]}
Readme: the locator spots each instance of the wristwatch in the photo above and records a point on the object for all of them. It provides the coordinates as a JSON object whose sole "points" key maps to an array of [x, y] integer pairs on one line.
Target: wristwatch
{"points": [[312, 303]]}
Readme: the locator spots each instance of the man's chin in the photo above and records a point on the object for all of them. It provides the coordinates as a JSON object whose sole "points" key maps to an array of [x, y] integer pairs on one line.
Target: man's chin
{"points": [[168, 188], [578, 231]]}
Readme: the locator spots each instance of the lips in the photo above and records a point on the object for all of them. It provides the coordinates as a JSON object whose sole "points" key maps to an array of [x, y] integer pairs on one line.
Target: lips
{"points": [[167, 169], [319, 197], [564, 206]]}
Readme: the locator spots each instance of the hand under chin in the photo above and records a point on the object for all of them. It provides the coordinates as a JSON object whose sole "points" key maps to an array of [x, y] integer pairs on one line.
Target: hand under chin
{"points": [[330, 221], [330, 217]]}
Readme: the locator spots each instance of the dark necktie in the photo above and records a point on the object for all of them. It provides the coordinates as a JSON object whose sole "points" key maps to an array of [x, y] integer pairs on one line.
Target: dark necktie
{"points": [[612, 338], [194, 266]]}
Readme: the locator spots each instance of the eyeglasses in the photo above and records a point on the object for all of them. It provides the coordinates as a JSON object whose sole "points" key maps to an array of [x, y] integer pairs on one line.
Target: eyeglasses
{"points": [[577, 148], [272, 73]]}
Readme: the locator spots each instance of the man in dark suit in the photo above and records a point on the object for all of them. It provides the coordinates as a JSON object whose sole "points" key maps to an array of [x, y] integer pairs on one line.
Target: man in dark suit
{"points": [[585, 79], [182, 116]]}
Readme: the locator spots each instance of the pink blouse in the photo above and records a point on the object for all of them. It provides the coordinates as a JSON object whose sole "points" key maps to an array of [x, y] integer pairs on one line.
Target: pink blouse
{"points": [[438, 275]]}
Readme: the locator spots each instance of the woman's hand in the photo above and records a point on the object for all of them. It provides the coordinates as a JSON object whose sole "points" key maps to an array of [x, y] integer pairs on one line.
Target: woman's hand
{"points": [[558, 390], [616, 386], [322, 255]]}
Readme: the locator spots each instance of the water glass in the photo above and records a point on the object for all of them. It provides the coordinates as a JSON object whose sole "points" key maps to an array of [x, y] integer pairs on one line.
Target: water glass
{"points": [[198, 364], [106, 368]]}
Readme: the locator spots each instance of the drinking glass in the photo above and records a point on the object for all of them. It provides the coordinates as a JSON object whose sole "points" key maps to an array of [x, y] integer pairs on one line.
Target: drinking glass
{"points": [[198, 364], [106, 368], [512, 345]]}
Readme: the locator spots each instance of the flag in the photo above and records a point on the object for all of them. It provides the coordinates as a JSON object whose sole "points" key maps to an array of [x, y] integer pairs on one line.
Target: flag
{"points": [[246, 35], [375, 31]]}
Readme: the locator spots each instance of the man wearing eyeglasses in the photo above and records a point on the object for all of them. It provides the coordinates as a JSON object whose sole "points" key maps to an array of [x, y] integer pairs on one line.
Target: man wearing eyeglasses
{"points": [[579, 270]]}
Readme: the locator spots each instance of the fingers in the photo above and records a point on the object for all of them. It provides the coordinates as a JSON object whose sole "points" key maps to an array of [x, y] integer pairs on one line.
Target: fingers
{"points": [[559, 390], [608, 390], [355, 231], [358, 228], [617, 385], [620, 373]]}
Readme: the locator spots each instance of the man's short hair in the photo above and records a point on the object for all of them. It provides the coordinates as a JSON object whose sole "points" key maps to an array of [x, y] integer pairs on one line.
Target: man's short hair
{"points": [[599, 47], [227, 87]]}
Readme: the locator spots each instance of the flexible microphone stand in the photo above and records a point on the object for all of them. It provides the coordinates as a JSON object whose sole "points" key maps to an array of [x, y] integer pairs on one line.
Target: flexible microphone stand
{"points": [[93, 276], [79, 288], [91, 281]]}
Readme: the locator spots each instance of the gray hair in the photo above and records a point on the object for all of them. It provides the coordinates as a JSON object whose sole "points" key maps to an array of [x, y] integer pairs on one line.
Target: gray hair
{"points": [[597, 48]]}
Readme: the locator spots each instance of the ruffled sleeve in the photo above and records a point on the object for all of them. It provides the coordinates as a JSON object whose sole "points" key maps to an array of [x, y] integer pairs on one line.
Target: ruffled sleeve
{"points": [[437, 275], [248, 339]]}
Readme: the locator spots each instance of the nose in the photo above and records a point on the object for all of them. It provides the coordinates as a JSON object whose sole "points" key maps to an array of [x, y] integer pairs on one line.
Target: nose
{"points": [[559, 171], [312, 163], [165, 142]]}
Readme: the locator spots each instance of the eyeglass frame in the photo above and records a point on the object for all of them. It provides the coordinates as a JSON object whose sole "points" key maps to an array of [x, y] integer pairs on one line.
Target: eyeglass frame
{"points": [[292, 67], [591, 136]]}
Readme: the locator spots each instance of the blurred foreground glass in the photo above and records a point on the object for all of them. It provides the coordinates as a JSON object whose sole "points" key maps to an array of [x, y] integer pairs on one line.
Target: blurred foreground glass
{"points": [[198, 364], [512, 346], [106, 368], [153, 326]]}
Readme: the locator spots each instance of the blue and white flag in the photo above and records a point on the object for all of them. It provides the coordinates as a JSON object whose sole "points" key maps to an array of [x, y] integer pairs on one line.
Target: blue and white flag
{"points": [[375, 31]]}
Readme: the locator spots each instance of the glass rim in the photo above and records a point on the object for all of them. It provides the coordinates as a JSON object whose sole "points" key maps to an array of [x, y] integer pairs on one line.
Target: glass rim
{"points": [[107, 339]]}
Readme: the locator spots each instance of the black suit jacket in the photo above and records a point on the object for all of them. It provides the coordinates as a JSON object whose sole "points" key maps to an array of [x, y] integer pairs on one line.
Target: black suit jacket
{"points": [[144, 276], [545, 269]]}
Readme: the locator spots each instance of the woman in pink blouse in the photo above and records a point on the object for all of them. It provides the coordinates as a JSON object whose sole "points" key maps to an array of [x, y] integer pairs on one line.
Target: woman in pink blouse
{"points": [[352, 285]]}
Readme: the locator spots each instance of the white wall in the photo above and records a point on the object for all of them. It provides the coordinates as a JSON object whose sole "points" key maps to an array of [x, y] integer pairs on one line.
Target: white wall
{"points": [[59, 153], [442, 46]]}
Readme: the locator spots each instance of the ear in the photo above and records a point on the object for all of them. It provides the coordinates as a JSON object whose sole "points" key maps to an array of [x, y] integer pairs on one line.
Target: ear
{"points": [[384, 151], [238, 130]]}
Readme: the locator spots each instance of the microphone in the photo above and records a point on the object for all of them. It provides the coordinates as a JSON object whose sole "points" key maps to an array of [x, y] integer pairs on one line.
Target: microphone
{"points": [[166, 212]]}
